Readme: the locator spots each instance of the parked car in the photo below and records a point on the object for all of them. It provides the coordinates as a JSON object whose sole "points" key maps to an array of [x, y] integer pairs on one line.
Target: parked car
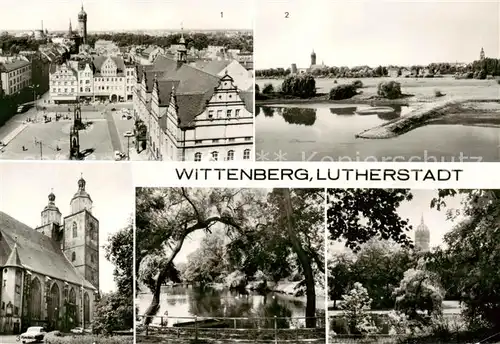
{"points": [[77, 330], [33, 334]]}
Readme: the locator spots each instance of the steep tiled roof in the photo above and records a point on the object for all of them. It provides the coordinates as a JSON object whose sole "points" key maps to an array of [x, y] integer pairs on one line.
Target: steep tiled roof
{"points": [[213, 67], [193, 87], [37, 252], [13, 260], [99, 60], [10, 66], [247, 97]]}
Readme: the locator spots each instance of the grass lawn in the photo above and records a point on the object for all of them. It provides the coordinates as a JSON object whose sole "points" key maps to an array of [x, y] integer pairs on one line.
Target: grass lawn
{"points": [[421, 89]]}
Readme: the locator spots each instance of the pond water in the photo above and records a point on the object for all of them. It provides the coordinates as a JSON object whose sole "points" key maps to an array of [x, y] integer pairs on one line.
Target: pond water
{"points": [[326, 132], [182, 304]]}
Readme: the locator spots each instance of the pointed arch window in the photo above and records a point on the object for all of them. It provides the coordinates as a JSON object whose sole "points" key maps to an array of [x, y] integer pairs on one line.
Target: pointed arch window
{"points": [[73, 256], [75, 230]]}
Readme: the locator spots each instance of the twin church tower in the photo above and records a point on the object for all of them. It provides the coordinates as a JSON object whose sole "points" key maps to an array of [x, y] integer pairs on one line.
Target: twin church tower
{"points": [[77, 232]]}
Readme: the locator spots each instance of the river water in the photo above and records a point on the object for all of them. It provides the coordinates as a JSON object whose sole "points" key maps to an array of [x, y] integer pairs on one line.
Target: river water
{"points": [[326, 132], [183, 304]]}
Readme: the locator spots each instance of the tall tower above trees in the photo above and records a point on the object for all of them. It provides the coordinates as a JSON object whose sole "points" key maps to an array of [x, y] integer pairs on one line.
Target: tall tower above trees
{"points": [[422, 236], [481, 54], [82, 25]]}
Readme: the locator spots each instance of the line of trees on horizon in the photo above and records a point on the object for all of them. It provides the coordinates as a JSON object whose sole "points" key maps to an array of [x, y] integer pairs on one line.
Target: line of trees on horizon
{"points": [[11, 44], [489, 66]]}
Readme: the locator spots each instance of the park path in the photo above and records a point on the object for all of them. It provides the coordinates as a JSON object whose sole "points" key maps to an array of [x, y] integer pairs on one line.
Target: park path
{"points": [[113, 132]]}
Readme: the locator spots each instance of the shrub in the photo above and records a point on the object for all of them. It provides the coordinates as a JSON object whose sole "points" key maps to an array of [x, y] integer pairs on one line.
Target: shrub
{"points": [[339, 325], [438, 93], [389, 89], [340, 92], [355, 310], [335, 81], [357, 84], [420, 296], [268, 88], [303, 86], [481, 75], [257, 89]]}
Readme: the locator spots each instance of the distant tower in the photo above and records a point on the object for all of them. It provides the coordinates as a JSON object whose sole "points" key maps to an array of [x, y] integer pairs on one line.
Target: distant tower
{"points": [[481, 55], [313, 58], [182, 51], [81, 236], [70, 30], [294, 68], [82, 25], [51, 219], [422, 236]]}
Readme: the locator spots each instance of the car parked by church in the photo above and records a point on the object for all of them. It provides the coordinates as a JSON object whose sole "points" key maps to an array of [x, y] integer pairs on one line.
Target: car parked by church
{"points": [[34, 334]]}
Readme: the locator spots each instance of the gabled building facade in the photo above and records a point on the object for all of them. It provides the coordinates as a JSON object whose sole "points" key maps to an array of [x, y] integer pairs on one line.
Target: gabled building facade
{"points": [[191, 115]]}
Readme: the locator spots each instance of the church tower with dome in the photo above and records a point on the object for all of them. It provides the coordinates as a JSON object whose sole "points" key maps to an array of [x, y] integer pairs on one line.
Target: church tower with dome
{"points": [[82, 25], [81, 236], [422, 236], [313, 58]]}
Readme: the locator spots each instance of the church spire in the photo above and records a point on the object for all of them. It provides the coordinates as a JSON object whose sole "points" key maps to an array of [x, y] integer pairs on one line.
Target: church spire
{"points": [[14, 261], [70, 30], [422, 218], [182, 51]]}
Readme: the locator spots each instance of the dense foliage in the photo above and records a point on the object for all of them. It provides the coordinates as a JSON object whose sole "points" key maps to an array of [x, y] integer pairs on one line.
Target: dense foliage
{"points": [[416, 283], [340, 92], [13, 45], [490, 65], [389, 89], [303, 86], [250, 235], [115, 310], [198, 41]]}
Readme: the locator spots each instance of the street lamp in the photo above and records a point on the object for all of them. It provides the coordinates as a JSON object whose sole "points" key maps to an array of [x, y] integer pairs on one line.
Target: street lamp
{"points": [[128, 135], [34, 87]]}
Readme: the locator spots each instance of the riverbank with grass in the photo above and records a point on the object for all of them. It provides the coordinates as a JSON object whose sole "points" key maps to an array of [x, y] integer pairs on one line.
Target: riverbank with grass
{"points": [[421, 90], [476, 112]]}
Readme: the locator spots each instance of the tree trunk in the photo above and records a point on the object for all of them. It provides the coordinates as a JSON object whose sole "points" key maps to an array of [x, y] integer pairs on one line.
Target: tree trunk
{"points": [[304, 260], [154, 306]]}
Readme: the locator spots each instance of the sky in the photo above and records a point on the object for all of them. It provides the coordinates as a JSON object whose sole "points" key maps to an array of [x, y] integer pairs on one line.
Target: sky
{"points": [[374, 32], [435, 220], [104, 15], [26, 186]]}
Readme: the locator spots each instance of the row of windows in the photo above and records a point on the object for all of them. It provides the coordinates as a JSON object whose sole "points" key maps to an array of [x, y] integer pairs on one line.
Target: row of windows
{"points": [[109, 79], [65, 83], [65, 75], [19, 87], [60, 90], [232, 139], [19, 71], [229, 113], [87, 89], [214, 156]]}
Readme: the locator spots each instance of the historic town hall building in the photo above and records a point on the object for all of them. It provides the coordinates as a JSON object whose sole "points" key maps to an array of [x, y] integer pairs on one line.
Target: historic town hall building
{"points": [[186, 114], [50, 274]]}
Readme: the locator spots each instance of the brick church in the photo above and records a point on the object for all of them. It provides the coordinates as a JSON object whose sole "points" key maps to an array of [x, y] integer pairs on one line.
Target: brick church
{"points": [[50, 274]]}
